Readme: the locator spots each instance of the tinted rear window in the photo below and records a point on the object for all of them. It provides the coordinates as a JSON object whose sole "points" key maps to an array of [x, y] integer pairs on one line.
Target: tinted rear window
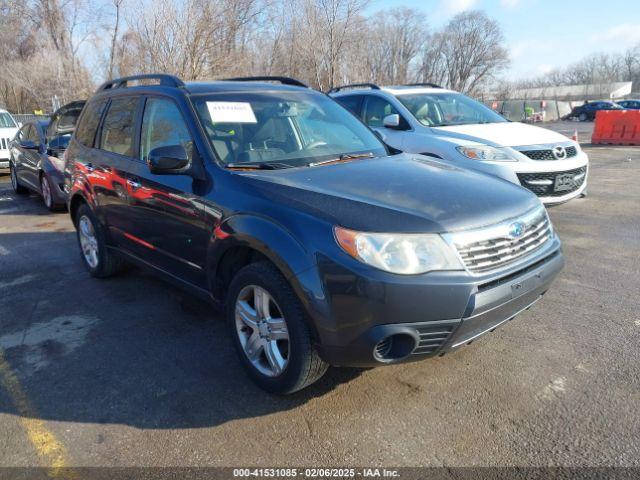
{"points": [[86, 131], [68, 119], [118, 126], [351, 103]]}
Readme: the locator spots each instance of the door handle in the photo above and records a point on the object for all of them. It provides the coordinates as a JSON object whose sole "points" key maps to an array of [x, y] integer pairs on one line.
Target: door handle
{"points": [[133, 183]]}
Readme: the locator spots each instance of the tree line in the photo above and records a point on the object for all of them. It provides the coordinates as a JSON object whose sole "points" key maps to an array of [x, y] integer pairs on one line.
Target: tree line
{"points": [[594, 69], [65, 48]]}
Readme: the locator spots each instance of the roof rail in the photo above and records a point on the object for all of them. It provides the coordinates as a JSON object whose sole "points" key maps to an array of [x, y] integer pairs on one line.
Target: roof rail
{"points": [[282, 80], [424, 84], [372, 86], [164, 78]]}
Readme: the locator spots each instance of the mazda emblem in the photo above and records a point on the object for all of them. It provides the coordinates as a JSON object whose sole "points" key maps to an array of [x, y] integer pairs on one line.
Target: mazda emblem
{"points": [[559, 153]]}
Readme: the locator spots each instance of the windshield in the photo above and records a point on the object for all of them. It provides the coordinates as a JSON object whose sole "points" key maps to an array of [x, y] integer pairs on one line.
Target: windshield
{"points": [[6, 121], [444, 109], [282, 127]]}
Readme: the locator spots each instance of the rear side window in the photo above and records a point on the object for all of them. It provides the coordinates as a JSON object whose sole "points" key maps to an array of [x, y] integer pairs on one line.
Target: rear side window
{"points": [[351, 103], [68, 119], [86, 131], [118, 126], [377, 108], [163, 126]]}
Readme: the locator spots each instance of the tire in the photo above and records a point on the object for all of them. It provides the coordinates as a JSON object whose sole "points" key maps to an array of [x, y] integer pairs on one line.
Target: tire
{"points": [[102, 262], [47, 195], [15, 183], [302, 365], [583, 117]]}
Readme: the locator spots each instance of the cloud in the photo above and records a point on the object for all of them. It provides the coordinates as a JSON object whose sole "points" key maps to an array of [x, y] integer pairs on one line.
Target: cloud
{"points": [[456, 6], [545, 68], [517, 50], [509, 3], [624, 34]]}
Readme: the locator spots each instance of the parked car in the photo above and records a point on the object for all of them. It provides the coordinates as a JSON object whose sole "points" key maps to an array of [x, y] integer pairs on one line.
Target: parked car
{"points": [[629, 104], [427, 119], [8, 130], [36, 155], [587, 112], [323, 247]]}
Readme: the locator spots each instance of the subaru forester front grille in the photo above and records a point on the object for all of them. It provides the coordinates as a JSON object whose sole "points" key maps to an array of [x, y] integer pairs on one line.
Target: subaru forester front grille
{"points": [[495, 247]]}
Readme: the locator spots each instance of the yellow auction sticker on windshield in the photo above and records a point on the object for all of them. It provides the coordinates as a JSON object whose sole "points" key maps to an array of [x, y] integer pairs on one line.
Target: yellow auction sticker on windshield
{"points": [[231, 112]]}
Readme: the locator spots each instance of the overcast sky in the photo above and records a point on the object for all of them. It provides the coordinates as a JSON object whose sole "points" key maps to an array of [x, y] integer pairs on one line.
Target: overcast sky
{"points": [[544, 34]]}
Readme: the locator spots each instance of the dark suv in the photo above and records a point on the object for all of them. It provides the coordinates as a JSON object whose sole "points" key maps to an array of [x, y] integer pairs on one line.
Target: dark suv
{"points": [[36, 161], [587, 112], [274, 202]]}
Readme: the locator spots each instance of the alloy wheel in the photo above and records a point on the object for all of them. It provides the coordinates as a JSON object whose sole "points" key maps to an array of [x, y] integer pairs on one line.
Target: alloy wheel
{"points": [[88, 241], [262, 330]]}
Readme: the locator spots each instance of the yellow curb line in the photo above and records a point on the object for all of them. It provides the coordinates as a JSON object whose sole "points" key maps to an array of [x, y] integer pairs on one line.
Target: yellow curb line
{"points": [[43, 440]]}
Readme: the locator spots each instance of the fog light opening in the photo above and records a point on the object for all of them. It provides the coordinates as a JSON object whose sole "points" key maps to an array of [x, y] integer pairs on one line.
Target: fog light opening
{"points": [[394, 347]]}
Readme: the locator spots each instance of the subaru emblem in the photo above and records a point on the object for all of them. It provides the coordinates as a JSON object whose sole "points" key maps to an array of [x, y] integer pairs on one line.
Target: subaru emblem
{"points": [[517, 229]]}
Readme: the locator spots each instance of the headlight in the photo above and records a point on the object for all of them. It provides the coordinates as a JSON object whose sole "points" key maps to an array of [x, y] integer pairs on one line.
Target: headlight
{"points": [[407, 254], [485, 152]]}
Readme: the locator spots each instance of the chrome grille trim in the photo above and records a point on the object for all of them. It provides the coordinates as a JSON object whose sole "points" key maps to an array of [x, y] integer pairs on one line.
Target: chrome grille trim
{"points": [[491, 248], [545, 152]]}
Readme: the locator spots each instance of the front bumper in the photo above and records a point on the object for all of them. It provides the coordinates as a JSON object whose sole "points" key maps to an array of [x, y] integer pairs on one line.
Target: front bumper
{"points": [[539, 177], [442, 313]]}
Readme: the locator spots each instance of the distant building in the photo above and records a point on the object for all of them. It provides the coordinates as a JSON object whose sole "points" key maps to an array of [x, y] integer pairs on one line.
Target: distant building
{"points": [[595, 91], [552, 103]]}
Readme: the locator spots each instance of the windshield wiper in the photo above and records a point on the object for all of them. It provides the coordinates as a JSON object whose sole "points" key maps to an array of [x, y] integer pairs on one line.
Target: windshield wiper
{"points": [[258, 166], [342, 158]]}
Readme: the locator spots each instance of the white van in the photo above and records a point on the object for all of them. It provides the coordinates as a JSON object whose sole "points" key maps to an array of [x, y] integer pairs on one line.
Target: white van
{"points": [[430, 120]]}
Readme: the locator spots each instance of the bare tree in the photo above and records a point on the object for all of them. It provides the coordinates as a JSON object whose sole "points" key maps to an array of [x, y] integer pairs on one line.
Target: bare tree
{"points": [[39, 53], [468, 53], [394, 39], [117, 4]]}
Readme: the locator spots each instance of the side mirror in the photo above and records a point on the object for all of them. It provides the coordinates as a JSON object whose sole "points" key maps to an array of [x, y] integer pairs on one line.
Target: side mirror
{"points": [[391, 121], [29, 145], [172, 159]]}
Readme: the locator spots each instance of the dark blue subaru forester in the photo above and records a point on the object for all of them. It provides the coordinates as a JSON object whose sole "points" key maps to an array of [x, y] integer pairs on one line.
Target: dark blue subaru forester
{"points": [[272, 201]]}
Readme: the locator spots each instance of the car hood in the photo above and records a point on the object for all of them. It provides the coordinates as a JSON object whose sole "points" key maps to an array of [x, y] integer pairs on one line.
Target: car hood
{"points": [[8, 131], [401, 193], [506, 134]]}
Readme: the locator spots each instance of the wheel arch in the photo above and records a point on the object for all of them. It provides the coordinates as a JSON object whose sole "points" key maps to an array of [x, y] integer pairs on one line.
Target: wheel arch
{"points": [[75, 201], [245, 239]]}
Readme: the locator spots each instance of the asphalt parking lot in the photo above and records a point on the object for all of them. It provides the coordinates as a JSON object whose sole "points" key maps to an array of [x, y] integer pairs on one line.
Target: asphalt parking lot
{"points": [[132, 372]]}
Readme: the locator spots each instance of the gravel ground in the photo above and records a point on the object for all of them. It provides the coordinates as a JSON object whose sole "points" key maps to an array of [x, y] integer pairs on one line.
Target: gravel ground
{"points": [[132, 372]]}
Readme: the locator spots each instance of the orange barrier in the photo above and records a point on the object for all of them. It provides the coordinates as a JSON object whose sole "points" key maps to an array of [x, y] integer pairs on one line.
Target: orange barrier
{"points": [[616, 127]]}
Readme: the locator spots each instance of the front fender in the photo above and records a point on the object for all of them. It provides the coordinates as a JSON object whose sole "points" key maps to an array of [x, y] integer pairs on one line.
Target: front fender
{"points": [[265, 236], [294, 260]]}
